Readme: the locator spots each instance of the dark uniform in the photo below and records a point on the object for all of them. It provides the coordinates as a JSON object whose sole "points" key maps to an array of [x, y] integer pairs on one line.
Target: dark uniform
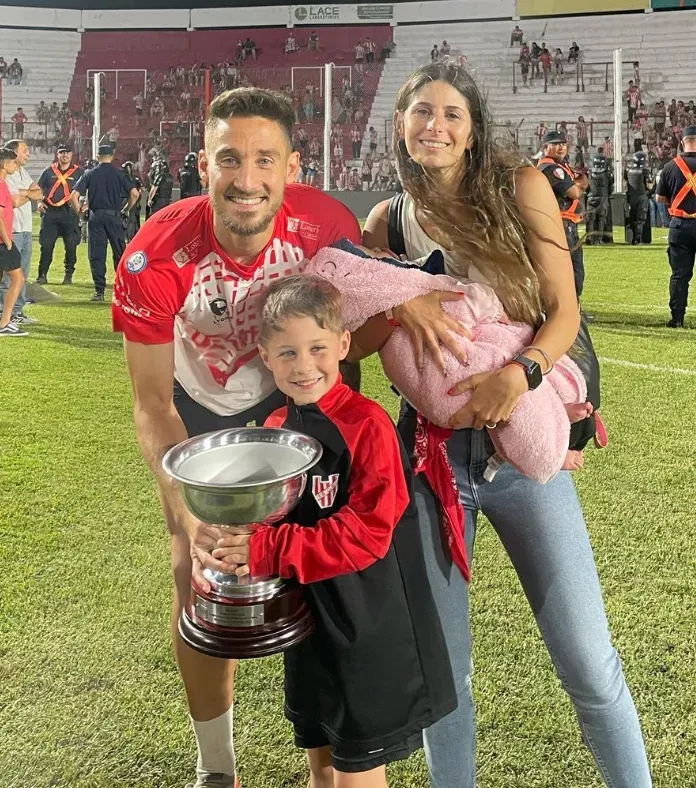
{"points": [[90, 165], [163, 182], [132, 219], [154, 169], [678, 185], [372, 602], [638, 186], [59, 220], [562, 178], [189, 179], [598, 208], [106, 188]]}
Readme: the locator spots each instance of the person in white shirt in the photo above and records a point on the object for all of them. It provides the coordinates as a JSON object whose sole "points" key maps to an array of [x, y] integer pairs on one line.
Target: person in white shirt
{"points": [[23, 190]]}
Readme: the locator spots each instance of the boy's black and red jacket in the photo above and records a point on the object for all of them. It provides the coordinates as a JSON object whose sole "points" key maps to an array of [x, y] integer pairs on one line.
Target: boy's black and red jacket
{"points": [[376, 669]]}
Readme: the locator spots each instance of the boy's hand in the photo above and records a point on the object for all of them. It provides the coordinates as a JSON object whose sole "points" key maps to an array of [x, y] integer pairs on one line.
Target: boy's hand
{"points": [[233, 552]]}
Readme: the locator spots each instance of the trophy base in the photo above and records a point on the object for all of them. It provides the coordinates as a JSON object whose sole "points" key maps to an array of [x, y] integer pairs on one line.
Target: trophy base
{"points": [[238, 629]]}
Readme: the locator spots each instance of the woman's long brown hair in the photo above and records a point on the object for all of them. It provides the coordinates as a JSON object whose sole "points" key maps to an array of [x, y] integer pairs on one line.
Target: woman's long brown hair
{"points": [[482, 222]]}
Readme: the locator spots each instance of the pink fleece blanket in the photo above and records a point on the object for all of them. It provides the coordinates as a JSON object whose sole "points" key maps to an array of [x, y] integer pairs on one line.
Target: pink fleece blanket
{"points": [[535, 440]]}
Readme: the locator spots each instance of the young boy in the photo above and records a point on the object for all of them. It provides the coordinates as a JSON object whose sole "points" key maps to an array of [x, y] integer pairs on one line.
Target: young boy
{"points": [[10, 258], [375, 673]]}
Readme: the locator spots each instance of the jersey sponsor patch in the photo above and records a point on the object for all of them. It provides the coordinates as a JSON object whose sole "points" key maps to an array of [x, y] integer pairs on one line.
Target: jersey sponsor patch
{"points": [[293, 224], [559, 173], [325, 490], [186, 253], [136, 263], [309, 231]]}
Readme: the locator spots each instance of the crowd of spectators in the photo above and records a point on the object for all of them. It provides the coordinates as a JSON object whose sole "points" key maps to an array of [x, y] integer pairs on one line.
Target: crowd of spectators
{"points": [[539, 62], [170, 105], [656, 129]]}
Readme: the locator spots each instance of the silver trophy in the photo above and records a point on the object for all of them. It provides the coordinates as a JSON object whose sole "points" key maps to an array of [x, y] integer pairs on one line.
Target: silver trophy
{"points": [[232, 479]]}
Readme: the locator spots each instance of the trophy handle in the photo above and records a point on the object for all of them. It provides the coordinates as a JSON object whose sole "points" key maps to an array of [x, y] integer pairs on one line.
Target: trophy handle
{"points": [[302, 485]]}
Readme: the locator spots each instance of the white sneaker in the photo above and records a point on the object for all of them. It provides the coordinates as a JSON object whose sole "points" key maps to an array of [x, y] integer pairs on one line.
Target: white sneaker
{"points": [[22, 319], [12, 330]]}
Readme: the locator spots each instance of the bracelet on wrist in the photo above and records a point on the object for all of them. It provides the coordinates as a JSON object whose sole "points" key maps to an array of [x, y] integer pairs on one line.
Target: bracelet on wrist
{"points": [[547, 358]]}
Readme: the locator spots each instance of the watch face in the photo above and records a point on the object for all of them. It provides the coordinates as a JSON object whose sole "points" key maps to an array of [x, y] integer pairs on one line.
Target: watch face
{"points": [[534, 375]]}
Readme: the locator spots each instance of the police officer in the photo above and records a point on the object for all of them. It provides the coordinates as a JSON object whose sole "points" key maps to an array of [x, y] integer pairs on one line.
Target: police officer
{"points": [[131, 216], [598, 193], [89, 165], [161, 188], [189, 179], [105, 188], [638, 186], [154, 169], [58, 218], [677, 190], [568, 187]]}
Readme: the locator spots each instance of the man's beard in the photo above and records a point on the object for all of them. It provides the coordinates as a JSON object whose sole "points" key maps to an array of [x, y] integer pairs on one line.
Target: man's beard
{"points": [[249, 227]]}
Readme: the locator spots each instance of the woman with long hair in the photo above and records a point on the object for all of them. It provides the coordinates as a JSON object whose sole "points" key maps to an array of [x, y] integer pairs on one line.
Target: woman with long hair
{"points": [[496, 221]]}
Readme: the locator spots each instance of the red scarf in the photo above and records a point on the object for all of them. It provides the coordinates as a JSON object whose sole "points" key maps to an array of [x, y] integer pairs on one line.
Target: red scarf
{"points": [[432, 460]]}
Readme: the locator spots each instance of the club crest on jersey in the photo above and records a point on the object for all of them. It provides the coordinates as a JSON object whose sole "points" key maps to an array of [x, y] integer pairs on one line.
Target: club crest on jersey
{"points": [[559, 173], [136, 263], [325, 490]]}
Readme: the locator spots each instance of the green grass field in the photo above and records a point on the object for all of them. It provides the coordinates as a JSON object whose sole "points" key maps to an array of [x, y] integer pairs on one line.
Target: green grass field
{"points": [[89, 693]]}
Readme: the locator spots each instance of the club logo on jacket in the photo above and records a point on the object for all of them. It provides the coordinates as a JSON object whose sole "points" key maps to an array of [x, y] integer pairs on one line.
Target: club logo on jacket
{"points": [[325, 490]]}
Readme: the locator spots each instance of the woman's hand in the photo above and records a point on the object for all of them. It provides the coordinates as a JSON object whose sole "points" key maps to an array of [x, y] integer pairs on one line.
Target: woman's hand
{"points": [[429, 325], [493, 399], [203, 540]]}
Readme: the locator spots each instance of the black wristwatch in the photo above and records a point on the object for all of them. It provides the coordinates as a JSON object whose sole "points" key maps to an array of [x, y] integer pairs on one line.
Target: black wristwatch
{"points": [[532, 371]]}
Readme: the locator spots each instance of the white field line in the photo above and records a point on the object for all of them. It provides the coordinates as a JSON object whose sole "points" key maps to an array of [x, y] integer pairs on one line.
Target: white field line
{"points": [[618, 362], [644, 307]]}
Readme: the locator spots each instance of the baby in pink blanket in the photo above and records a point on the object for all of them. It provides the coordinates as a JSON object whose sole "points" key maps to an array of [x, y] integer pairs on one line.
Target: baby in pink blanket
{"points": [[535, 440]]}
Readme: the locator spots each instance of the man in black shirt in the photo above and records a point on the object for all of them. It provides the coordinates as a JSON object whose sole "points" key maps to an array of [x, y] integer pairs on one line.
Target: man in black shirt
{"points": [[58, 218], [131, 216], [106, 188], [638, 186], [677, 190], [600, 189], [189, 179], [161, 188]]}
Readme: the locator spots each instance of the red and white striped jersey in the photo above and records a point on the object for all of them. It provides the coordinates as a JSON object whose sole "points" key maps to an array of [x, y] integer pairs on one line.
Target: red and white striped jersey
{"points": [[176, 284]]}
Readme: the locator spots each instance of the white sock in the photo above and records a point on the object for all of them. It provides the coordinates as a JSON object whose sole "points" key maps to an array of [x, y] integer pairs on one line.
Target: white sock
{"points": [[215, 745]]}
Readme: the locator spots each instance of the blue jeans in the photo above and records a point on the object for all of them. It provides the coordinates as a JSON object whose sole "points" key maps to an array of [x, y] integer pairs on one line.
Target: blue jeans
{"points": [[664, 214], [543, 531], [23, 242]]}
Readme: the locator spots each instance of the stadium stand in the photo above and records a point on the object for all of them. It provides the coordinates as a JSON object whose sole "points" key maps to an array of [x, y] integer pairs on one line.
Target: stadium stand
{"points": [[48, 62], [151, 55], [662, 43]]}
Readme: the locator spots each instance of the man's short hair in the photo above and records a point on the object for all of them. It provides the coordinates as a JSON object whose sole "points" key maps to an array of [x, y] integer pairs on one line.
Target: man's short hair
{"points": [[14, 144], [252, 103], [301, 296]]}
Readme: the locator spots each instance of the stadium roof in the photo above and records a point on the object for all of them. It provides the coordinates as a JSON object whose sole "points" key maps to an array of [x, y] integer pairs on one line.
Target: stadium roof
{"points": [[95, 5]]}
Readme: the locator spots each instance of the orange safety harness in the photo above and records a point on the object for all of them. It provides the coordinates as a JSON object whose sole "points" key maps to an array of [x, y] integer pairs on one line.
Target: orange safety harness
{"points": [[688, 188], [572, 212], [61, 180]]}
